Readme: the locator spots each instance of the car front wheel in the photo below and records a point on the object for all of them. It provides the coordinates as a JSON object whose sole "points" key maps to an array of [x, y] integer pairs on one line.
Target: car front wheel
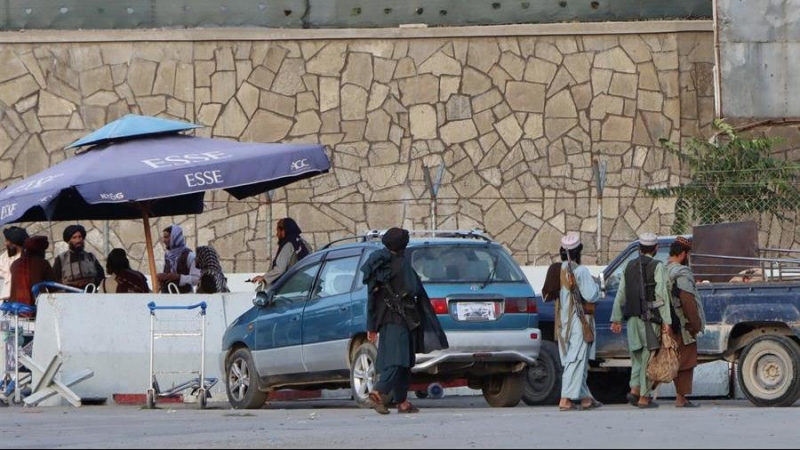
{"points": [[241, 381], [543, 381]]}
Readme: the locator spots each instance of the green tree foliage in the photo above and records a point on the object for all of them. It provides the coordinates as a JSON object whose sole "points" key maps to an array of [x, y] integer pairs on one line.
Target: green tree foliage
{"points": [[731, 179]]}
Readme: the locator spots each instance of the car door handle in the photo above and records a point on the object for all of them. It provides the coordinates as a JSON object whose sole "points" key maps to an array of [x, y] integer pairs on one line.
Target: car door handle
{"points": [[343, 308], [295, 318]]}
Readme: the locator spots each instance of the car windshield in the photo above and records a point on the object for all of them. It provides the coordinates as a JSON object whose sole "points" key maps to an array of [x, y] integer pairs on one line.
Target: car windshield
{"points": [[464, 264]]}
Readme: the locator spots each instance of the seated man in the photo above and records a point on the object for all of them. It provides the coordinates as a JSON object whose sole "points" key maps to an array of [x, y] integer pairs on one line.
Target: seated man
{"points": [[76, 267]]}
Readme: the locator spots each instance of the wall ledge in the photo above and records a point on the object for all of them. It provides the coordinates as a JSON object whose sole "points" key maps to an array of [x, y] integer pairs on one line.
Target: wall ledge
{"points": [[285, 34]]}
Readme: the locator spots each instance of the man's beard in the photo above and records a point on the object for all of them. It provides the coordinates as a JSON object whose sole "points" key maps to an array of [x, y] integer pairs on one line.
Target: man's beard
{"points": [[685, 261], [11, 249], [76, 248]]}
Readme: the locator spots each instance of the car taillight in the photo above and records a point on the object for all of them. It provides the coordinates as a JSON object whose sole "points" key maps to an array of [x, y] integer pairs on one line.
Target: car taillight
{"points": [[525, 305], [439, 305]]}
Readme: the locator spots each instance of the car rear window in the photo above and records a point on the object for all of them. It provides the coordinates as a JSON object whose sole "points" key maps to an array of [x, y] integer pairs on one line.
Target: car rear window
{"points": [[464, 264]]}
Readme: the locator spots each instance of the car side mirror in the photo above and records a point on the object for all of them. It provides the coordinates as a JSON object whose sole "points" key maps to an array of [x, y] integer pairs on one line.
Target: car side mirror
{"points": [[264, 298]]}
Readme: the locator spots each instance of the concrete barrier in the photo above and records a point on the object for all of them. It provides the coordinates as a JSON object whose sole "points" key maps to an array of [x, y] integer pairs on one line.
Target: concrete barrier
{"points": [[110, 334]]}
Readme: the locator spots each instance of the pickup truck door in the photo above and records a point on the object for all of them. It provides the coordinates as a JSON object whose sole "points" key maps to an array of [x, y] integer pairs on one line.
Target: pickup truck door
{"points": [[608, 343], [328, 314], [278, 328]]}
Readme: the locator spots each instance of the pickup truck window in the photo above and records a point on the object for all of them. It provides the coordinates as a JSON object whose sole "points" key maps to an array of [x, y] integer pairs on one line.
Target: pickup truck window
{"points": [[612, 284]]}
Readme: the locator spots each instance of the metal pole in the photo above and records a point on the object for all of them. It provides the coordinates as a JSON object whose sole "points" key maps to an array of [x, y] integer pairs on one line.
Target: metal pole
{"points": [[106, 233], [433, 213], [17, 391], [599, 228]]}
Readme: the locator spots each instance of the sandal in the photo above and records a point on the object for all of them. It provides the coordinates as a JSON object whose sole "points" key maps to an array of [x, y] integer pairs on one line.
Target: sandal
{"points": [[410, 410], [593, 405], [649, 405], [571, 407], [688, 404], [377, 403], [632, 399]]}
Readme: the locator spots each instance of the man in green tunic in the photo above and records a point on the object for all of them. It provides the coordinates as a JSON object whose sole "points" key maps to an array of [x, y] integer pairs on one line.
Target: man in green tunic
{"points": [[643, 300]]}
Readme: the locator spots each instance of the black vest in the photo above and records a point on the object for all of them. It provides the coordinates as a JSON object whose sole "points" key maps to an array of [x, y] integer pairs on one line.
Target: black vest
{"points": [[633, 284]]}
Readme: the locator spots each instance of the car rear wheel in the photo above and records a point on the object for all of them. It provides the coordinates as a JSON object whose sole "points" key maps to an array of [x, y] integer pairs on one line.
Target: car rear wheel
{"points": [[241, 381], [363, 374], [504, 391], [769, 371], [543, 381]]}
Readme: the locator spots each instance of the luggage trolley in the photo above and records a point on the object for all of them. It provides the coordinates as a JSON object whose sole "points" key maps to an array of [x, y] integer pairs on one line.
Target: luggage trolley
{"points": [[202, 388], [13, 383]]}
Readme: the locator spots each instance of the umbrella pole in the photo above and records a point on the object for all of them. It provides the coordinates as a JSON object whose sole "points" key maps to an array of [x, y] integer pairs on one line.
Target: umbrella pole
{"points": [[151, 259]]}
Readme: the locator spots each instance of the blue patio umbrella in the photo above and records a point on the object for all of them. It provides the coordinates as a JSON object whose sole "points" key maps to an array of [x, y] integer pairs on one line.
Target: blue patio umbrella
{"points": [[156, 176], [132, 126]]}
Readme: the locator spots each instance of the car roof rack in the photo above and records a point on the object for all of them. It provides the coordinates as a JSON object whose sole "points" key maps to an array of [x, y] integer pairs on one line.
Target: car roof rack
{"points": [[475, 233], [377, 234]]}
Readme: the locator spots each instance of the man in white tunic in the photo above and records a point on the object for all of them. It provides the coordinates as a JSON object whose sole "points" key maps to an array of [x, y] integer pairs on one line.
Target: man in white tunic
{"points": [[574, 351]]}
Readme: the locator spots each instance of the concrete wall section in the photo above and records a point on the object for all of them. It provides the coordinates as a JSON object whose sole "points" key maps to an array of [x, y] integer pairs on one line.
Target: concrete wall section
{"points": [[759, 46], [110, 334]]}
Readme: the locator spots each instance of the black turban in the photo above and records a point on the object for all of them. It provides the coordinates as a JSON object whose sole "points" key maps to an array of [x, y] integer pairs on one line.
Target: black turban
{"points": [[72, 229], [395, 239], [37, 244], [16, 235]]}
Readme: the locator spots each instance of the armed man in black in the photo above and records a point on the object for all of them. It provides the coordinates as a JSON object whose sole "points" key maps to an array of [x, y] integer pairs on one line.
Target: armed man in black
{"points": [[643, 301], [400, 319]]}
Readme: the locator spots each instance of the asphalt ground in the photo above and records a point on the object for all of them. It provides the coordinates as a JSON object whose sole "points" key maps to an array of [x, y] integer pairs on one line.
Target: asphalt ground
{"points": [[452, 422]]}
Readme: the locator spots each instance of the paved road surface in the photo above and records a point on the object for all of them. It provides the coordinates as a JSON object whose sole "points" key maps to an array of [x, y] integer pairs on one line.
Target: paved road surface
{"points": [[454, 422]]}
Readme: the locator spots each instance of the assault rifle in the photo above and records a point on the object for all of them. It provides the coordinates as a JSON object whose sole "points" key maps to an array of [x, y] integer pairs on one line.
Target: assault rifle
{"points": [[650, 314], [582, 308]]}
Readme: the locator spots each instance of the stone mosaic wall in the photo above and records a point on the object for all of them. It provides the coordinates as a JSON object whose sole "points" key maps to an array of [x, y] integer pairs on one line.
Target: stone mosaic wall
{"points": [[516, 121]]}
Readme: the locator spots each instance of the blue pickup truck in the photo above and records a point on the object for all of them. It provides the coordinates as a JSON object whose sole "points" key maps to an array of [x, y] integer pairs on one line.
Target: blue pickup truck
{"points": [[754, 324]]}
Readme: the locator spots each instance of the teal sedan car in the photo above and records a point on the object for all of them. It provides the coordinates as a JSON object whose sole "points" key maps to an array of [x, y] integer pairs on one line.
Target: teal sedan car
{"points": [[309, 330]]}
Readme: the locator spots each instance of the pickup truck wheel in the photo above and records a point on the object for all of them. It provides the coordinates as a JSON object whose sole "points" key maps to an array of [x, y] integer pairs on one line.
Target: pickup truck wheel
{"points": [[363, 374], [241, 381], [543, 381], [769, 371], [504, 391]]}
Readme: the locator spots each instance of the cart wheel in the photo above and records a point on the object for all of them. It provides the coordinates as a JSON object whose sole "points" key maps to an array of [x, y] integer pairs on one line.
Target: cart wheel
{"points": [[201, 398], [151, 399]]}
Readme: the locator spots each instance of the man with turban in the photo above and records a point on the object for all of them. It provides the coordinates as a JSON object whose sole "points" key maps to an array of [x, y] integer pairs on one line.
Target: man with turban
{"points": [[643, 301], [76, 267], [15, 240], [399, 319], [31, 268], [689, 318]]}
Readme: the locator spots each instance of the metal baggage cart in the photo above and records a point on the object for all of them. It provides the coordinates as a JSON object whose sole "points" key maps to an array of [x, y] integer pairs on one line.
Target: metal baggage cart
{"points": [[153, 391]]}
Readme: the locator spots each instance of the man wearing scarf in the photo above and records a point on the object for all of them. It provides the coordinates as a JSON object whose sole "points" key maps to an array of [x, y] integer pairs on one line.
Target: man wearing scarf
{"points": [[179, 263], [688, 317], [291, 248], [76, 267], [31, 268], [15, 240], [400, 319]]}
